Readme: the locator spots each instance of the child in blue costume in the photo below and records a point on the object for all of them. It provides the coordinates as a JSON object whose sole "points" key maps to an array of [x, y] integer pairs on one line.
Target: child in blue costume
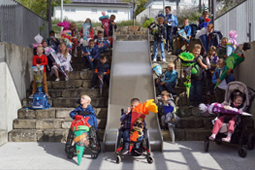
{"points": [[90, 50], [170, 79], [85, 106], [204, 21], [159, 39], [187, 30], [101, 43], [169, 23]]}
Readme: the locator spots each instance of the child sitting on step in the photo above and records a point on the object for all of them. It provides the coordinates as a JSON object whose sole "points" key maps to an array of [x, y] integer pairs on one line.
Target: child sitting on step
{"points": [[222, 48], [64, 62], [38, 60], [101, 43], [187, 30], [85, 109], [126, 122], [90, 56]]}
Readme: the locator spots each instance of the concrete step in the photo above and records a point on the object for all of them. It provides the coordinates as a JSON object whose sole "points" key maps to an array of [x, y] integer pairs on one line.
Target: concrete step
{"points": [[68, 102], [133, 37], [182, 100], [69, 84], [195, 122], [78, 59], [52, 123], [58, 113], [44, 135], [3, 137], [74, 75], [70, 93]]}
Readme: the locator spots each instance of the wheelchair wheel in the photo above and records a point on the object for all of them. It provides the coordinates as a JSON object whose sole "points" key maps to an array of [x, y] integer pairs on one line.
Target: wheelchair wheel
{"points": [[242, 152], [149, 159], [250, 142], [206, 145], [118, 159], [70, 155]]}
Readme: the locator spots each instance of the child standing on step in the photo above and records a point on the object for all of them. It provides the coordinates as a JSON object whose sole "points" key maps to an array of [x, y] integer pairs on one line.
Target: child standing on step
{"points": [[111, 25], [159, 39], [64, 62], [170, 79], [197, 80], [126, 122], [38, 60], [85, 106], [187, 30]]}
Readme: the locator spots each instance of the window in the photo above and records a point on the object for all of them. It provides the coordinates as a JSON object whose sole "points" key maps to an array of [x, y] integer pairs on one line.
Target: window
{"points": [[94, 10], [109, 11], [73, 10], [70, 10], [115, 11], [67, 10]]}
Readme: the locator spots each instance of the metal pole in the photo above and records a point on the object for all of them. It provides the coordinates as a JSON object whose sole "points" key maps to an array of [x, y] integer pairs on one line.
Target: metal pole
{"points": [[177, 7], [49, 16], [200, 5], [61, 13], [164, 5], [213, 10]]}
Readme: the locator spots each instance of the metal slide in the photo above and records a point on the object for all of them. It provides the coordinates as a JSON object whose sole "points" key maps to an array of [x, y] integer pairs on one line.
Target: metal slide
{"points": [[131, 76]]}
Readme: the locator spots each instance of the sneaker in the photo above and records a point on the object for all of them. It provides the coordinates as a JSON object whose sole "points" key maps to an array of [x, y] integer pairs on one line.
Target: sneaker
{"points": [[93, 87], [125, 151], [138, 151], [191, 105], [85, 69], [66, 79], [208, 93], [57, 79], [169, 52], [154, 60], [31, 96], [164, 60], [212, 137], [227, 139]]}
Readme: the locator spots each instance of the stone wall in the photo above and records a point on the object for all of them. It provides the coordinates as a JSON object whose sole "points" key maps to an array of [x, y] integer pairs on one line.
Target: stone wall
{"points": [[16, 75]]}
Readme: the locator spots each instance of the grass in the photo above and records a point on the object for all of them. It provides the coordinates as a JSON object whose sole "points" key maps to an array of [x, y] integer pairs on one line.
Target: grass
{"points": [[95, 24]]}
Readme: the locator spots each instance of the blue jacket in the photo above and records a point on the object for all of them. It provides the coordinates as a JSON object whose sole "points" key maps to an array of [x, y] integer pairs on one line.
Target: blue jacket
{"points": [[171, 18], [93, 51], [187, 29], [92, 117], [216, 75], [171, 77], [103, 67], [161, 31]]}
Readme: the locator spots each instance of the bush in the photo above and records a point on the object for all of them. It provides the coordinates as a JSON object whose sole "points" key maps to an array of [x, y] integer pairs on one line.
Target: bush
{"points": [[189, 12], [128, 23]]}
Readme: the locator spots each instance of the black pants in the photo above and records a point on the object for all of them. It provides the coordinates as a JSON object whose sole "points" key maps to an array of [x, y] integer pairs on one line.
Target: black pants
{"points": [[87, 64], [95, 78]]}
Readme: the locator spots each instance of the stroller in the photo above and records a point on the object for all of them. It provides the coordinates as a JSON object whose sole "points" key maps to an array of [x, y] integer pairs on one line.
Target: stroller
{"points": [[240, 136], [82, 139], [145, 141]]}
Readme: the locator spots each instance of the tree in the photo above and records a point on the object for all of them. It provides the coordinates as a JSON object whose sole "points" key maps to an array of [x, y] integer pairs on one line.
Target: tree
{"points": [[134, 3], [227, 5], [140, 7], [41, 7]]}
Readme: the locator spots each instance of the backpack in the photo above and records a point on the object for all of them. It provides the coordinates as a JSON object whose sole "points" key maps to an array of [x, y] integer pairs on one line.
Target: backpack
{"points": [[194, 29], [197, 71], [215, 39], [40, 101]]}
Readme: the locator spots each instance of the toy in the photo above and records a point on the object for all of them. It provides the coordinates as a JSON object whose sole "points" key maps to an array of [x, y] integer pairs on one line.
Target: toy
{"points": [[137, 129], [38, 73], [102, 45], [157, 69], [38, 38], [66, 34], [217, 108], [89, 57], [80, 127], [183, 35], [232, 61], [101, 82], [232, 43], [105, 22]]}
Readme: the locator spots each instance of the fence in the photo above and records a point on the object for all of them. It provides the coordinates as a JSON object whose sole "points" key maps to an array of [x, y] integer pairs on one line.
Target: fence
{"points": [[19, 25], [242, 19]]}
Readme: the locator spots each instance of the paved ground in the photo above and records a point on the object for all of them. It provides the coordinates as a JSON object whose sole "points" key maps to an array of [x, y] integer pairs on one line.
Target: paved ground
{"points": [[183, 155]]}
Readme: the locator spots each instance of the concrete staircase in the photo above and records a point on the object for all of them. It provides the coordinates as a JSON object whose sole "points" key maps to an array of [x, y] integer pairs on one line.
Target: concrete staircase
{"points": [[52, 125], [193, 125]]}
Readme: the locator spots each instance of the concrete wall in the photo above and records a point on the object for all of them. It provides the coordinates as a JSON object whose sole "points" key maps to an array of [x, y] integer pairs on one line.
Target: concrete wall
{"points": [[245, 71], [81, 13], [16, 75], [239, 19]]}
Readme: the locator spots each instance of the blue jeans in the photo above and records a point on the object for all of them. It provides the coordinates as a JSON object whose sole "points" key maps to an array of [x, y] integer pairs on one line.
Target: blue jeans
{"points": [[169, 38], [161, 49], [196, 87], [126, 137], [169, 86]]}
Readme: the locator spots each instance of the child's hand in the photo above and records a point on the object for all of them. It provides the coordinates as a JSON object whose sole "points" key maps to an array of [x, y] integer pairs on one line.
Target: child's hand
{"points": [[82, 34], [92, 59], [105, 73], [38, 66], [157, 81], [58, 65], [113, 23], [228, 74], [103, 27], [225, 56], [218, 80], [152, 29], [86, 54], [54, 39], [162, 83], [128, 110]]}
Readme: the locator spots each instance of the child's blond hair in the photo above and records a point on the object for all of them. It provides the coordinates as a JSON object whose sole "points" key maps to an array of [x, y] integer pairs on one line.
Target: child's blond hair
{"points": [[87, 97], [160, 18], [171, 64], [221, 60], [224, 38], [185, 19], [39, 47], [66, 51], [213, 48], [197, 46]]}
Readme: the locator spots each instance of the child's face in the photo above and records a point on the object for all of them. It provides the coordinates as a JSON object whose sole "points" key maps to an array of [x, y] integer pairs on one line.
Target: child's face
{"points": [[224, 43], [112, 18], [164, 98], [103, 60], [52, 35], [87, 20], [196, 52], [84, 100], [44, 44], [220, 64], [238, 101], [205, 16], [160, 21], [167, 10], [212, 52], [186, 22], [39, 51], [210, 30], [134, 104], [100, 35], [170, 68], [91, 44], [62, 48]]}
